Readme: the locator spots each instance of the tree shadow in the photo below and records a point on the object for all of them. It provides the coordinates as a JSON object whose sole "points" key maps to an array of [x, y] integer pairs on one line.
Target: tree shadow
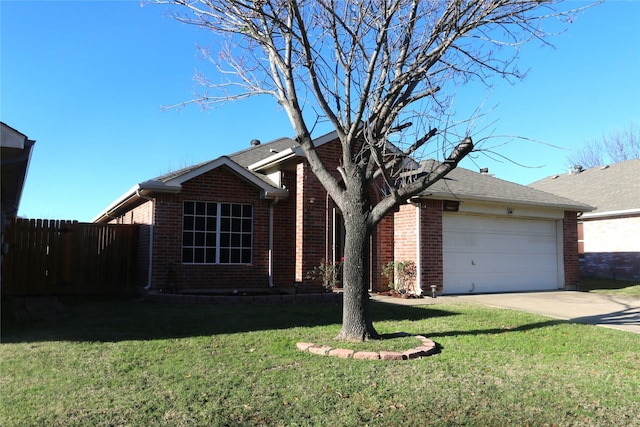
{"points": [[117, 319], [628, 314], [498, 331]]}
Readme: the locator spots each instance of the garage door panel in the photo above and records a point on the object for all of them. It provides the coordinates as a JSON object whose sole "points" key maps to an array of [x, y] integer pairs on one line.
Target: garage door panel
{"points": [[491, 254]]}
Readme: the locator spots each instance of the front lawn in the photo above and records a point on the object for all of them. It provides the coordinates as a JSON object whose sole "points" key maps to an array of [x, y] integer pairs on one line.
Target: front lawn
{"points": [[140, 364], [611, 287]]}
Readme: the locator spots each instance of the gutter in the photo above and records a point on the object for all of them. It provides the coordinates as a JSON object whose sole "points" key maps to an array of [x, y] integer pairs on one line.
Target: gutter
{"points": [[622, 212], [275, 200], [151, 225], [458, 196], [137, 192]]}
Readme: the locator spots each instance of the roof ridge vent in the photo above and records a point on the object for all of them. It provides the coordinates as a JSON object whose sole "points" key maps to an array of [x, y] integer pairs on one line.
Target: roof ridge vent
{"points": [[255, 142], [604, 167]]}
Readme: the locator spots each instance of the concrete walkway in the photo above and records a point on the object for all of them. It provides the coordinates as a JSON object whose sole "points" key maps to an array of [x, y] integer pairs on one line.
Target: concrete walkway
{"points": [[582, 307]]}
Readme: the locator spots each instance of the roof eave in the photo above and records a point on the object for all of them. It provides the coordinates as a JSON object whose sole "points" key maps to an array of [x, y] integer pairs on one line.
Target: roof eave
{"points": [[563, 206], [137, 193], [276, 159], [622, 212]]}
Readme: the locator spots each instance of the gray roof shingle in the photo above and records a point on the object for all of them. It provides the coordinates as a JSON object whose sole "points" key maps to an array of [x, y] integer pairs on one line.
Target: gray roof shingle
{"points": [[609, 188], [244, 158], [463, 183]]}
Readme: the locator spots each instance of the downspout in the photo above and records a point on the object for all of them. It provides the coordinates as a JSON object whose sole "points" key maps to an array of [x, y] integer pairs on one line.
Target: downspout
{"points": [[153, 211], [418, 249], [326, 232]]}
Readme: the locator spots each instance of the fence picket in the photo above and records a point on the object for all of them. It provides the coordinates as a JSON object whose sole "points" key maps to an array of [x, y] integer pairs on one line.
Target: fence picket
{"points": [[52, 257]]}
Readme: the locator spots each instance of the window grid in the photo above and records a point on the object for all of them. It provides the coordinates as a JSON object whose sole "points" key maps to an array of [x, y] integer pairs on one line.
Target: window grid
{"points": [[217, 233]]}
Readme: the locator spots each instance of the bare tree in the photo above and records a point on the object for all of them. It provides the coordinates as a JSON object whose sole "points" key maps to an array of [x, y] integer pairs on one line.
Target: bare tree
{"points": [[618, 146], [378, 71]]}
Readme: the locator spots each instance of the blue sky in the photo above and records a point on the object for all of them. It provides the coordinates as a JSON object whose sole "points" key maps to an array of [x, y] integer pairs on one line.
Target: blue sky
{"points": [[87, 80]]}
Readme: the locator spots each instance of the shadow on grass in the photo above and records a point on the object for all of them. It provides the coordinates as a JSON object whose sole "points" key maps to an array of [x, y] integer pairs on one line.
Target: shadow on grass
{"points": [[496, 331], [112, 320]]}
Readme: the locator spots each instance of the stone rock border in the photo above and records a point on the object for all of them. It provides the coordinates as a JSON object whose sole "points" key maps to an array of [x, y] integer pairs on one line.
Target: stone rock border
{"points": [[426, 348]]}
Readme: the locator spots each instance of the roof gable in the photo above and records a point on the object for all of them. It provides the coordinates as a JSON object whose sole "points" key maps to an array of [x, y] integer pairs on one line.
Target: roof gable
{"points": [[610, 188]]}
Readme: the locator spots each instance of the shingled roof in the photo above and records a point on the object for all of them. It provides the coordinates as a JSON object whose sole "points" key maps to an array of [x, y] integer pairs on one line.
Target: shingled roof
{"points": [[243, 158], [464, 184], [610, 188]]}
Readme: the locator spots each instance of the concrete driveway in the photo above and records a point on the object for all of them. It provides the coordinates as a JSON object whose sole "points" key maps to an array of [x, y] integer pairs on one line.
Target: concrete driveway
{"points": [[582, 307]]}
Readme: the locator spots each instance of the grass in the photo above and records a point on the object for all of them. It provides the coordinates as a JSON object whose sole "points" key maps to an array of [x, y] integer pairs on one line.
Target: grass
{"points": [[118, 362], [611, 287]]}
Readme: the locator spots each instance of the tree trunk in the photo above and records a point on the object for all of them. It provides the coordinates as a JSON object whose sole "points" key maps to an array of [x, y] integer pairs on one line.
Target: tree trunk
{"points": [[356, 318]]}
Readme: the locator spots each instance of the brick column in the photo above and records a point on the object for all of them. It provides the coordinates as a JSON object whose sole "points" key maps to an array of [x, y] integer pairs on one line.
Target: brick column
{"points": [[570, 249], [431, 245]]}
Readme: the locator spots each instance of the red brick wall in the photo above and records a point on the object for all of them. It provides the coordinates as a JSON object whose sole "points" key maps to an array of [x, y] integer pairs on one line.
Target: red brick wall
{"points": [[431, 236], [571, 258], [284, 234], [405, 238], [219, 185], [314, 223], [406, 247], [143, 215], [382, 252]]}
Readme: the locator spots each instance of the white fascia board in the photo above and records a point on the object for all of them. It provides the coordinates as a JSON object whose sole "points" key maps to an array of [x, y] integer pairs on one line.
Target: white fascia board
{"points": [[328, 137], [136, 192], [271, 161], [450, 196], [11, 138], [268, 191], [624, 212]]}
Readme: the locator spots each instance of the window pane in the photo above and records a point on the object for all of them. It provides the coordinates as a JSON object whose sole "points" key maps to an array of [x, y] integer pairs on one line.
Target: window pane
{"points": [[235, 256], [246, 240], [187, 239], [211, 240], [210, 256], [200, 208], [188, 223], [246, 256], [224, 256], [188, 208], [199, 239], [236, 225], [187, 255], [211, 223], [235, 240], [225, 209], [236, 210], [247, 211], [225, 224], [198, 255], [246, 225], [212, 209], [225, 240]]}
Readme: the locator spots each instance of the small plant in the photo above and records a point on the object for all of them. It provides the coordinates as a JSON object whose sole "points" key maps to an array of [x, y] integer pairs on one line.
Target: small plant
{"points": [[328, 272], [401, 276]]}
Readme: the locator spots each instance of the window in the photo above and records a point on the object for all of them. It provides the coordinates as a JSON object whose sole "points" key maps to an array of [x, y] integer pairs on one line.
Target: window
{"points": [[217, 233]]}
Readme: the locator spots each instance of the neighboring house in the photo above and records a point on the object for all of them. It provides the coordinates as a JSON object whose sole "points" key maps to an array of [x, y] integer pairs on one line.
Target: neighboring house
{"points": [[260, 219], [16, 155], [609, 236]]}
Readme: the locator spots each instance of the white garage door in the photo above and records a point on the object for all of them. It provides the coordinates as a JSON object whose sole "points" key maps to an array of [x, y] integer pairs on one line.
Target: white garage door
{"points": [[491, 254]]}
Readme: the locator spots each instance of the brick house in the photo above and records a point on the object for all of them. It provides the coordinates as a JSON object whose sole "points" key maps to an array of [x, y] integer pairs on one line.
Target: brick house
{"points": [[259, 219], [609, 235]]}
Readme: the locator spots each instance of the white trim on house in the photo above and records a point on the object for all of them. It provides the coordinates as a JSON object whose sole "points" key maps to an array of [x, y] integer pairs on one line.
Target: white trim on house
{"points": [[174, 185], [597, 215]]}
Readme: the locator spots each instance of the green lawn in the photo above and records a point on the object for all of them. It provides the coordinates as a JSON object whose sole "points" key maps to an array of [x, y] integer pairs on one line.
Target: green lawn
{"points": [[611, 287], [133, 363]]}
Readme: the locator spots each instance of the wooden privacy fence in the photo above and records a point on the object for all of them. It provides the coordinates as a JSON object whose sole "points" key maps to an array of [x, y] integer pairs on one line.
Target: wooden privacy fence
{"points": [[52, 257]]}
